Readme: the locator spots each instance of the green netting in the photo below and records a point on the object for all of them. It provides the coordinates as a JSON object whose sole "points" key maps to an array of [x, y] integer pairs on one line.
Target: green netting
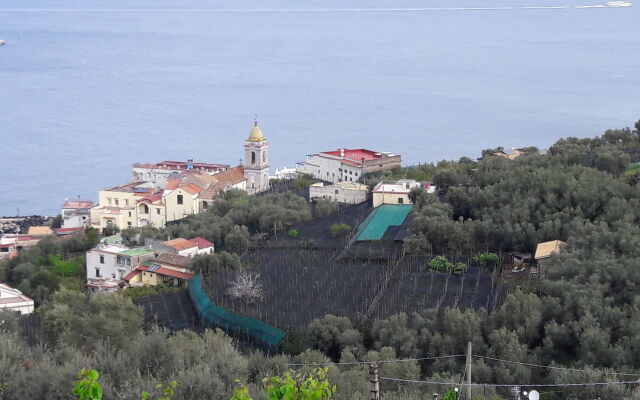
{"points": [[214, 315], [381, 218]]}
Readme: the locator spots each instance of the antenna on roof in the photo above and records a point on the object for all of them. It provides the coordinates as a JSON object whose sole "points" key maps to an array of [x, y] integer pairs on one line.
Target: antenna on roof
{"points": [[255, 119]]}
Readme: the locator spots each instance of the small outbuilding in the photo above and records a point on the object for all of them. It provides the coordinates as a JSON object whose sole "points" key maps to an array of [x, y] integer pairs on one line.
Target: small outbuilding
{"points": [[544, 251], [342, 192]]}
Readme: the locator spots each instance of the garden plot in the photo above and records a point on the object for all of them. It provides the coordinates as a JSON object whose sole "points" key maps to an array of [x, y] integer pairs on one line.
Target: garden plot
{"points": [[414, 286], [300, 285]]}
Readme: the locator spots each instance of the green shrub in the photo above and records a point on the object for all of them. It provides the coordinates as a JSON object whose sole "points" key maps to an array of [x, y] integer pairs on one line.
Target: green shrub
{"points": [[293, 233], [339, 229], [441, 264], [487, 259]]}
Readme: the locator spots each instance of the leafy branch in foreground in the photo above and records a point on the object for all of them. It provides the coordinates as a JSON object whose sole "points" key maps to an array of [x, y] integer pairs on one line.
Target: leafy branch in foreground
{"points": [[88, 388], [293, 386]]}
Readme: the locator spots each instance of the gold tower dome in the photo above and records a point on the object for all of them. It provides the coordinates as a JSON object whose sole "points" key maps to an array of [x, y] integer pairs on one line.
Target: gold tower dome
{"points": [[256, 134]]}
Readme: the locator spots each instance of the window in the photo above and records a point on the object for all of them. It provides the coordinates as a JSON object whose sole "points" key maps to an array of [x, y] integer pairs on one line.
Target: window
{"points": [[158, 211], [98, 273], [129, 224], [129, 213], [117, 202], [356, 174], [180, 200], [253, 157], [109, 200], [351, 172], [84, 217], [264, 157], [336, 191], [113, 276], [400, 200], [407, 186], [126, 202], [340, 169], [101, 259], [205, 205]]}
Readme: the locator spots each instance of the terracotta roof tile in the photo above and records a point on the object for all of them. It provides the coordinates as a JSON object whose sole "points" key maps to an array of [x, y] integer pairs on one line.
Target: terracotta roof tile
{"points": [[201, 243], [174, 259], [232, 176], [180, 244], [191, 188]]}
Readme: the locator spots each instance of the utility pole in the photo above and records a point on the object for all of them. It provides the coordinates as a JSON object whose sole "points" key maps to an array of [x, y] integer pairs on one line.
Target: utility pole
{"points": [[469, 358], [375, 381]]}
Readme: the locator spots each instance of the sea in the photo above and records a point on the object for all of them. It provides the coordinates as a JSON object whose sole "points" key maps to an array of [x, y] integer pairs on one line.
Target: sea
{"points": [[89, 87]]}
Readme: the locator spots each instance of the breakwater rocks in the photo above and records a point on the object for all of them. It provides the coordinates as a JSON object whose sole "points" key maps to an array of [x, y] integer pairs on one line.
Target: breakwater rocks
{"points": [[22, 224]]}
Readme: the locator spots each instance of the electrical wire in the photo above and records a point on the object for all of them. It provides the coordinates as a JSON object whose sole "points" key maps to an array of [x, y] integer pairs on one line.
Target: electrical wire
{"points": [[374, 362], [511, 385], [551, 367]]}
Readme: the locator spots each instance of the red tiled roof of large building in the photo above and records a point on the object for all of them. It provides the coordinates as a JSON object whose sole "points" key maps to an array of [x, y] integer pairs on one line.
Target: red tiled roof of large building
{"points": [[173, 184], [231, 176], [180, 244], [191, 188], [77, 204], [152, 198], [354, 154], [201, 243], [213, 191], [174, 259]]}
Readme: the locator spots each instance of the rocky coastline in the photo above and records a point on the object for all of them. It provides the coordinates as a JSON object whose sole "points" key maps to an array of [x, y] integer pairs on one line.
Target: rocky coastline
{"points": [[22, 224]]}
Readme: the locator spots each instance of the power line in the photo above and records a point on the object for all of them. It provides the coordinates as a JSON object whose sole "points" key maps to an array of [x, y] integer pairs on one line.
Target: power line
{"points": [[552, 367], [374, 362], [512, 385]]}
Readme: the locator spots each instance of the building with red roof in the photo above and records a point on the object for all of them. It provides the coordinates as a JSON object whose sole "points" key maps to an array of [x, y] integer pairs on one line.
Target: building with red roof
{"points": [[166, 269], [347, 165], [204, 246]]}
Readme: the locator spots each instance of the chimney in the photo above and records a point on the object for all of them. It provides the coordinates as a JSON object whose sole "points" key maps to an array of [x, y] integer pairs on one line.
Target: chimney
{"points": [[341, 152]]}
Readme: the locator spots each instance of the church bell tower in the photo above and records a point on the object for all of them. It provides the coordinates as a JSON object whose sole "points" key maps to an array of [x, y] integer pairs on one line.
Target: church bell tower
{"points": [[256, 161]]}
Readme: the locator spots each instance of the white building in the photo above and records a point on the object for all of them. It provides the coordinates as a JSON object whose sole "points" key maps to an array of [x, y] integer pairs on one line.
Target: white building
{"points": [[76, 214], [347, 165], [159, 173], [183, 247], [285, 173], [204, 246], [342, 192], [13, 300], [108, 263], [397, 192]]}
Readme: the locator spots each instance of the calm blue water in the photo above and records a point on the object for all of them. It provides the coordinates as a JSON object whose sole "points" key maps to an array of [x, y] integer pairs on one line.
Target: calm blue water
{"points": [[85, 92]]}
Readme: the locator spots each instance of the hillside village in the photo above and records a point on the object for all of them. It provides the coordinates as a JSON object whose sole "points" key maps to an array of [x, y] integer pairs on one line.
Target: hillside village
{"points": [[353, 259]]}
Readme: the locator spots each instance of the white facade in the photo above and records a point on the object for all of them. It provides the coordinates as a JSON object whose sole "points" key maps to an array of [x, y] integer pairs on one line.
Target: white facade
{"points": [[347, 165], [108, 263], [343, 192], [13, 300], [285, 173], [76, 214], [159, 173], [397, 192]]}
